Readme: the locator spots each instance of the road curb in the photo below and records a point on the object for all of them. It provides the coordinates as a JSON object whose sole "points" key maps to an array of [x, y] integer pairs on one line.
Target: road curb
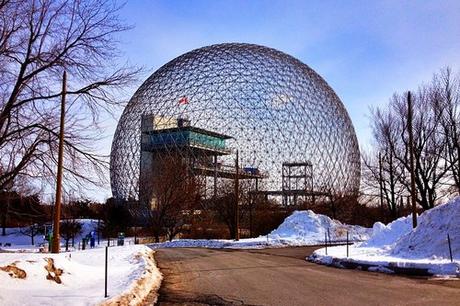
{"points": [[400, 268]]}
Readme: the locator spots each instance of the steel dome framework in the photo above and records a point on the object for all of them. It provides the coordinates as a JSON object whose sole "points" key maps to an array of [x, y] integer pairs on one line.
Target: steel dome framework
{"points": [[275, 108]]}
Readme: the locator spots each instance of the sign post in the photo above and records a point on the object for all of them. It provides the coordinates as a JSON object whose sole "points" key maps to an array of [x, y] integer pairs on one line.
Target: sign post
{"points": [[106, 260]]}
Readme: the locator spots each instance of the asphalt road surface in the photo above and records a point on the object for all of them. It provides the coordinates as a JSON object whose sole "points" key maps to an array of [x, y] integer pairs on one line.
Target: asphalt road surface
{"points": [[283, 277]]}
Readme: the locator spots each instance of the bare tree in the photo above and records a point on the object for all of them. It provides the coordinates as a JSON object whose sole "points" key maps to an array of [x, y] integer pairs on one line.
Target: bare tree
{"points": [[223, 205], [446, 89], [69, 229], [4, 210], [383, 176], [390, 132], [38, 41], [175, 195], [32, 231], [28, 210], [116, 218]]}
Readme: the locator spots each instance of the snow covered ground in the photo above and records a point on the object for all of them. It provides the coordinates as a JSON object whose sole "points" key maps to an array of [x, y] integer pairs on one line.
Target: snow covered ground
{"points": [[19, 241], [132, 273], [299, 229], [397, 246]]}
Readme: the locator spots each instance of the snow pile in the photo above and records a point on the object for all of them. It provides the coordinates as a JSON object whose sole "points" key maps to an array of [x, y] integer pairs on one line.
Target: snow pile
{"points": [[385, 235], [429, 238], [398, 247], [300, 228], [132, 274], [306, 227]]}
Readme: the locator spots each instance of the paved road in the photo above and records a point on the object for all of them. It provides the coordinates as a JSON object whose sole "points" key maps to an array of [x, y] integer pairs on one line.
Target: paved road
{"points": [[283, 277]]}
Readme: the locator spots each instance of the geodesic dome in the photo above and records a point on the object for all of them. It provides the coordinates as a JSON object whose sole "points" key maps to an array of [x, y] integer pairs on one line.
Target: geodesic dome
{"points": [[276, 108]]}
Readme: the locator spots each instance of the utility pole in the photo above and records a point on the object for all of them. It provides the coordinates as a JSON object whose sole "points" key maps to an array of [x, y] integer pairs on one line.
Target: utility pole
{"points": [[251, 204], [57, 206], [381, 184], [411, 153], [236, 208]]}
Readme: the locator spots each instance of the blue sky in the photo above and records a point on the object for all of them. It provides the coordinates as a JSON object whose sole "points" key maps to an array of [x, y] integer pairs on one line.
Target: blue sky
{"points": [[365, 50]]}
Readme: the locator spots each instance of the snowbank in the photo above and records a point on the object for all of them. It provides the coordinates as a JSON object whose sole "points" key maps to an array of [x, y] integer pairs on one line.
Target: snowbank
{"points": [[132, 274], [397, 247], [306, 227], [299, 229], [429, 239], [384, 235]]}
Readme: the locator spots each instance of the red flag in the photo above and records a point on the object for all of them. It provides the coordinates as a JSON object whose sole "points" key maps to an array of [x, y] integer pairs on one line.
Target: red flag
{"points": [[183, 100]]}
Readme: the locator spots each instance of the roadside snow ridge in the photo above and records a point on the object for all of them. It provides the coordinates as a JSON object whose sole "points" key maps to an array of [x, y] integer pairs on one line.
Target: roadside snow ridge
{"points": [[429, 238], [306, 226]]}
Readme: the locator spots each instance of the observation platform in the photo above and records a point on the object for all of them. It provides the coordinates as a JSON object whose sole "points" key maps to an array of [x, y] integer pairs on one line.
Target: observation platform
{"points": [[229, 172], [162, 136], [183, 137], [290, 193]]}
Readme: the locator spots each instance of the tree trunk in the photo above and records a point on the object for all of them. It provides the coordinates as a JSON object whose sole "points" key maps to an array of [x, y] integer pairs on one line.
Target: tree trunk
{"points": [[412, 168], [4, 214], [333, 210], [4, 223]]}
